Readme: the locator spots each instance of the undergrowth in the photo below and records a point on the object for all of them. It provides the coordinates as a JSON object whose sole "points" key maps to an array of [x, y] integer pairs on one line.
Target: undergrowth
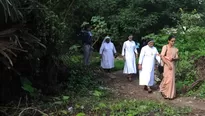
{"points": [[99, 102]]}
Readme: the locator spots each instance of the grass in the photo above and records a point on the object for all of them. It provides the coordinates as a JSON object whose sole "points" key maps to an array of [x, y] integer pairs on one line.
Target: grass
{"points": [[198, 92], [98, 105], [100, 102], [95, 61], [119, 64]]}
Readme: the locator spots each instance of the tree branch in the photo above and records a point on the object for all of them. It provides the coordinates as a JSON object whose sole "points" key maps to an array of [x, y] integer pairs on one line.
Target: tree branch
{"points": [[30, 108]]}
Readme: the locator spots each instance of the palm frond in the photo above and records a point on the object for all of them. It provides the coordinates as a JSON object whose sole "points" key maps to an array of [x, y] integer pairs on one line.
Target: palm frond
{"points": [[7, 56], [10, 9], [11, 42]]}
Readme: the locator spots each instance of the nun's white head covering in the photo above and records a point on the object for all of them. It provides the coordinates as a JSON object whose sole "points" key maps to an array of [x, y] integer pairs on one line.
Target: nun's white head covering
{"points": [[107, 37]]}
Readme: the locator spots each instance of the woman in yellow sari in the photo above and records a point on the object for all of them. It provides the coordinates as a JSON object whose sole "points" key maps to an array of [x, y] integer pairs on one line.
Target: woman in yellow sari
{"points": [[169, 56]]}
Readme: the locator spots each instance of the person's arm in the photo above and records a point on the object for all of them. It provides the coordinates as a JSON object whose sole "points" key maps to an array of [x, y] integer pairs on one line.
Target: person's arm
{"points": [[136, 53], [123, 50], [157, 57], [114, 50], [142, 53], [164, 50], [101, 50]]}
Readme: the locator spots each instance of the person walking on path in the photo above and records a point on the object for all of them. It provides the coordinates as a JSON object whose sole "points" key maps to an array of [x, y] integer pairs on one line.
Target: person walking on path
{"points": [[146, 65], [129, 53], [169, 56], [107, 53]]}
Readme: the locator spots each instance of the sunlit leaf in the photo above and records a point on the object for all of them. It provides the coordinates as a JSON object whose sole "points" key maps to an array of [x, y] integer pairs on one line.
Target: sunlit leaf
{"points": [[58, 102], [66, 97], [64, 111], [80, 114]]}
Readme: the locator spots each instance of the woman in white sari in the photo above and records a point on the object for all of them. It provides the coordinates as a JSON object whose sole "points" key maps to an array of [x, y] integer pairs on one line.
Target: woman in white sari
{"points": [[107, 53]]}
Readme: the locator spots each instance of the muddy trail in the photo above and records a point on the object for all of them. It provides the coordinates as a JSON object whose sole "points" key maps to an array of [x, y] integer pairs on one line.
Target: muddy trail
{"points": [[122, 88]]}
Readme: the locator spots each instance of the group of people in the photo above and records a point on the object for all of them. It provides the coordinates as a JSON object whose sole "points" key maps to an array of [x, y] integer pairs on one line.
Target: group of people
{"points": [[167, 58], [146, 62]]}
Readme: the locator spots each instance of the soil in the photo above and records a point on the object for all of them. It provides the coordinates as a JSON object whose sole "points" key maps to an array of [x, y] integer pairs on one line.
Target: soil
{"points": [[122, 88]]}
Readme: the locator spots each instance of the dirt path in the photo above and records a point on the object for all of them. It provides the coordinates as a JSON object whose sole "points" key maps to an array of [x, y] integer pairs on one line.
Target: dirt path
{"points": [[119, 84]]}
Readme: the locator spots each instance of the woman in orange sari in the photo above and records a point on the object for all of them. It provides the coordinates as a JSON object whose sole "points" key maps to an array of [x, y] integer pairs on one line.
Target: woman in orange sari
{"points": [[169, 55]]}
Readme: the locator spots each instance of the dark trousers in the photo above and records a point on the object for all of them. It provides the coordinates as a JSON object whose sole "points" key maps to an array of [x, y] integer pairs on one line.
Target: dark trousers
{"points": [[87, 54]]}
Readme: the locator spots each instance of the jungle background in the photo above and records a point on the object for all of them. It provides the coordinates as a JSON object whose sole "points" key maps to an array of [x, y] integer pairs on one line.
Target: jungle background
{"points": [[41, 54]]}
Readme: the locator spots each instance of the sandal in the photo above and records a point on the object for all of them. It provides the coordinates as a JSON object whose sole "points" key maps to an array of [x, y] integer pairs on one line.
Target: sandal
{"points": [[129, 79], [164, 96], [149, 90], [145, 88]]}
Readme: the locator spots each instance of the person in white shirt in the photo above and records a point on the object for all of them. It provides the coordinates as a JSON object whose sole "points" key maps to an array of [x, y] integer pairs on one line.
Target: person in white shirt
{"points": [[129, 53], [146, 65]]}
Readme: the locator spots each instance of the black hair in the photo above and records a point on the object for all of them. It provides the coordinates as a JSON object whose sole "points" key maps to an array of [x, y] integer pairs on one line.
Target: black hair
{"points": [[170, 37]]}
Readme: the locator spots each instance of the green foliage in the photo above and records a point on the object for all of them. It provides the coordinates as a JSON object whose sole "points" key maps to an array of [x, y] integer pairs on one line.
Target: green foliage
{"points": [[27, 86], [100, 26], [11, 11], [142, 17], [96, 104], [200, 92], [60, 102], [189, 20], [119, 64], [97, 93], [55, 24], [63, 100], [81, 114], [82, 79], [135, 107]]}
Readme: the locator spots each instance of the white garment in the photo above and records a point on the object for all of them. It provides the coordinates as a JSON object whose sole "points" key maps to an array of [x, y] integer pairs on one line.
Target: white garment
{"points": [[147, 58], [129, 51], [107, 50]]}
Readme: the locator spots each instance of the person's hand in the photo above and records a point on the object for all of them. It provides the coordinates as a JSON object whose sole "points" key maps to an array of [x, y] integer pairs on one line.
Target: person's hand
{"points": [[168, 58], [159, 55], [100, 56], [140, 66]]}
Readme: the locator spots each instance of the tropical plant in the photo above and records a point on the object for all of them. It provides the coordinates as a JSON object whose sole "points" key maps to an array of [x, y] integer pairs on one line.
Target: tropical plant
{"points": [[10, 9]]}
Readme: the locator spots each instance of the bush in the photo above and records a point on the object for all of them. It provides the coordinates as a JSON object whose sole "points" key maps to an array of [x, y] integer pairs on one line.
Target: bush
{"points": [[133, 108], [119, 64]]}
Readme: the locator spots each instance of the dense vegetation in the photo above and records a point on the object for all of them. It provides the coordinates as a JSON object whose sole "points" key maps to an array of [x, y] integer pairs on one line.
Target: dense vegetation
{"points": [[40, 50]]}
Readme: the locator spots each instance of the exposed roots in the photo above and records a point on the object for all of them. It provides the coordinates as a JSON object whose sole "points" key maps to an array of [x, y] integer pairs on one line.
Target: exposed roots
{"points": [[30, 108]]}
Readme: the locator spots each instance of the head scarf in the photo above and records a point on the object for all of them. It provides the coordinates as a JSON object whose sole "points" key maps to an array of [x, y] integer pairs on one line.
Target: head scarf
{"points": [[107, 37]]}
